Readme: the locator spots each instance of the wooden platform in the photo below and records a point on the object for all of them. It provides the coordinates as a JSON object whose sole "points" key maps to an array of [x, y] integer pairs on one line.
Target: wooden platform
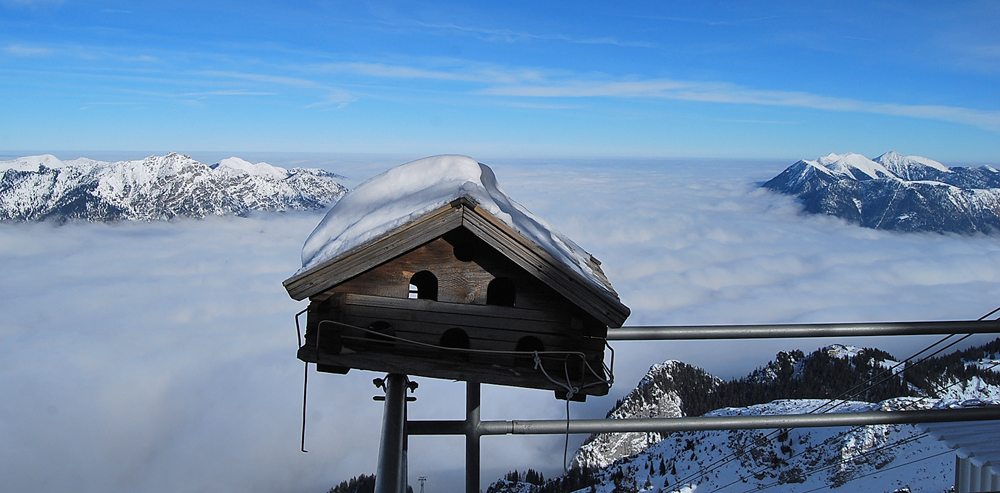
{"points": [[334, 337]]}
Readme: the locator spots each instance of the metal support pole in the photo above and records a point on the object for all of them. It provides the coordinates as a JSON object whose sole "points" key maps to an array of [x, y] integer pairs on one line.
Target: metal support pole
{"points": [[390, 472], [781, 331], [472, 435], [404, 464]]}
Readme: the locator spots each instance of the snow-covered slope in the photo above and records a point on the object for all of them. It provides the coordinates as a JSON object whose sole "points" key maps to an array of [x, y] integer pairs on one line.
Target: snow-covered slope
{"points": [[881, 458], [870, 458], [158, 187], [656, 396], [674, 389], [903, 193]]}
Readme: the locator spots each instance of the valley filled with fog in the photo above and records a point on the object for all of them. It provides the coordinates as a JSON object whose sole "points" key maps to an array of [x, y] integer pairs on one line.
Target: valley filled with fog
{"points": [[160, 356]]}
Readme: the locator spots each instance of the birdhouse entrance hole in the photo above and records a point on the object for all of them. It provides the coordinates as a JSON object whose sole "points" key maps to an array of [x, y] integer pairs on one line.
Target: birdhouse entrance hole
{"points": [[458, 339], [501, 291], [424, 286], [465, 251], [528, 344]]}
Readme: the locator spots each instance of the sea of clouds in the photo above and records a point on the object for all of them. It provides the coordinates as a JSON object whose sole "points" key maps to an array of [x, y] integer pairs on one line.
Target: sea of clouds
{"points": [[161, 356]]}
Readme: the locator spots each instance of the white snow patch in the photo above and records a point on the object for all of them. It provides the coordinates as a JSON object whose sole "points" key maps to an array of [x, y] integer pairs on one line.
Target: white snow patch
{"points": [[235, 166], [842, 351], [31, 163], [846, 164], [895, 161]]}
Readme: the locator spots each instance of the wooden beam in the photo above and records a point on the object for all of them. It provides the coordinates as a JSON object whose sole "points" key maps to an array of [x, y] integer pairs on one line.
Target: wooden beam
{"points": [[436, 368], [369, 255]]}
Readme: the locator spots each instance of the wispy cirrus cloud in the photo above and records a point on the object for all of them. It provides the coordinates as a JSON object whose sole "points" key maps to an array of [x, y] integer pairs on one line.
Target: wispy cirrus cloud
{"points": [[27, 51], [235, 92], [542, 106], [714, 92], [511, 36], [275, 79], [108, 103], [441, 71], [710, 22], [539, 83], [334, 100], [81, 52], [30, 3], [333, 96]]}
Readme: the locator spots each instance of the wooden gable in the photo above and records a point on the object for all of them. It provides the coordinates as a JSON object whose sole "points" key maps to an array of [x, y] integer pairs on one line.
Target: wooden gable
{"points": [[599, 303]]}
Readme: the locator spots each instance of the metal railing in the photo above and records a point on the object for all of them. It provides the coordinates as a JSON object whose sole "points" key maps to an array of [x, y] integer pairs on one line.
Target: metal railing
{"points": [[472, 428]]}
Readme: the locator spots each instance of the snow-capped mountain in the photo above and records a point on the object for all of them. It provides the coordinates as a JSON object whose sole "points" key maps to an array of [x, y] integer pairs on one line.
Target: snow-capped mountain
{"points": [[658, 395], [675, 389], [895, 192], [159, 187], [880, 458], [873, 458]]}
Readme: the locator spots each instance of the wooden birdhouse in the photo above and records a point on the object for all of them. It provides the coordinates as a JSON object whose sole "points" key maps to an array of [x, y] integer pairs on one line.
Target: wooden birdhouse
{"points": [[430, 269]]}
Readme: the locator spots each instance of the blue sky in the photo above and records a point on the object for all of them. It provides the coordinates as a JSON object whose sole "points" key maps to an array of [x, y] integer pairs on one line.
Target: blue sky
{"points": [[667, 79]]}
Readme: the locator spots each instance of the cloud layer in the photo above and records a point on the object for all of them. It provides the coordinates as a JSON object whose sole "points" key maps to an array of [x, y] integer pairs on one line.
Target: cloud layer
{"points": [[160, 356]]}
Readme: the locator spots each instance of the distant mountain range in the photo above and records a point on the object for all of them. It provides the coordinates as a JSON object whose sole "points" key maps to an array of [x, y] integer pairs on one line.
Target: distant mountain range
{"points": [[37, 188], [895, 192], [784, 460]]}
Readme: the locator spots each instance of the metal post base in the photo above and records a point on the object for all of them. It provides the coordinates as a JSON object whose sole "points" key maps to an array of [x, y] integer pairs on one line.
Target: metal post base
{"points": [[390, 474], [472, 435]]}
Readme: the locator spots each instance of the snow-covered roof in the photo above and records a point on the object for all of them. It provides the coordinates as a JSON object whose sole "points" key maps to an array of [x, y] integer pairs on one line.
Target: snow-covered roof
{"points": [[409, 191]]}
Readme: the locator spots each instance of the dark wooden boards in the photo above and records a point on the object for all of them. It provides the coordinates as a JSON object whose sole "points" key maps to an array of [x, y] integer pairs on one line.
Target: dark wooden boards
{"points": [[523, 377]]}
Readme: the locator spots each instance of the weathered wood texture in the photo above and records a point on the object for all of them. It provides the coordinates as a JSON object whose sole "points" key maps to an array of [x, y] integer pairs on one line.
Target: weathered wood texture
{"points": [[497, 328], [494, 333], [458, 281], [538, 263]]}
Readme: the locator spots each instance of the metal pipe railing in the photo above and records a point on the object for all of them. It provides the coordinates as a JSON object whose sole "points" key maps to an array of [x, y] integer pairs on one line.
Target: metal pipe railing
{"points": [[669, 425], [780, 331]]}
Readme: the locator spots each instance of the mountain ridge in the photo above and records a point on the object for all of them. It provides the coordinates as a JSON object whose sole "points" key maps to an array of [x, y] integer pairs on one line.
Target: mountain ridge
{"points": [[786, 460], [896, 192], [35, 188]]}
